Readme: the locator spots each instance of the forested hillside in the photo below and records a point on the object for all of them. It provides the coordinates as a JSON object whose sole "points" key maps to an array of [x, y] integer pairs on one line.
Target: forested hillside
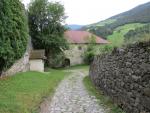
{"points": [[138, 34], [139, 14], [117, 38]]}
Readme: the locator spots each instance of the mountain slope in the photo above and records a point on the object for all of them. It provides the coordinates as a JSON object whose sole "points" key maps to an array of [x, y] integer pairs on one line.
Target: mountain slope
{"points": [[139, 14], [117, 38], [74, 26]]}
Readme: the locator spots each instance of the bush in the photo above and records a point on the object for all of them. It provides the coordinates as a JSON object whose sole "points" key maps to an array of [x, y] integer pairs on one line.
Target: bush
{"points": [[56, 61], [13, 32], [106, 49], [88, 57], [90, 52]]}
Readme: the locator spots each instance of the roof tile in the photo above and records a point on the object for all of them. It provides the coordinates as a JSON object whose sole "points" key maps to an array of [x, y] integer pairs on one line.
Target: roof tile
{"points": [[82, 37]]}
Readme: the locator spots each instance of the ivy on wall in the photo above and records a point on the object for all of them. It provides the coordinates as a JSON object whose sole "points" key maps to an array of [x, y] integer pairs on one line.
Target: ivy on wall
{"points": [[13, 32]]}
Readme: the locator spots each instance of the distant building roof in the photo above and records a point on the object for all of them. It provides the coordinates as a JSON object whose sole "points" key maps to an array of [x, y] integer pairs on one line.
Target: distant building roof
{"points": [[82, 37], [37, 54]]}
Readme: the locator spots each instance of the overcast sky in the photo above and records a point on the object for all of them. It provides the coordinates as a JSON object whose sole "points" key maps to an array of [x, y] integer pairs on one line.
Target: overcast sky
{"points": [[84, 12]]}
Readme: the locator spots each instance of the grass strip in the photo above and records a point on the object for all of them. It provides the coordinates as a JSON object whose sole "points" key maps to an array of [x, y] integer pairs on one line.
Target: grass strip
{"points": [[24, 92], [102, 99]]}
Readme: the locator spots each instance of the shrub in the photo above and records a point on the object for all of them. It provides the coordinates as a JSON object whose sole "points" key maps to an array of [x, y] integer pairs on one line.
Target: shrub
{"points": [[106, 49], [88, 57], [90, 52], [56, 61], [13, 32]]}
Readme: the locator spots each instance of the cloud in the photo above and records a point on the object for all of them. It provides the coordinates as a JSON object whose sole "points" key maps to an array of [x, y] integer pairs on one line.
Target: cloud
{"points": [[91, 11]]}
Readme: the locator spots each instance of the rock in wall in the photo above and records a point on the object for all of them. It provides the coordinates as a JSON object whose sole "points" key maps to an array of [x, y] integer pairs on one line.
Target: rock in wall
{"points": [[124, 75]]}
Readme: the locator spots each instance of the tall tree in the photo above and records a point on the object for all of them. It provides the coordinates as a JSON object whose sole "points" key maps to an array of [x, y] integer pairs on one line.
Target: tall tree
{"points": [[13, 32], [46, 29]]}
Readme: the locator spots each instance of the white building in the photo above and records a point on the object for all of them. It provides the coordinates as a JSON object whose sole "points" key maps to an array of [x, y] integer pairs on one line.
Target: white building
{"points": [[37, 60]]}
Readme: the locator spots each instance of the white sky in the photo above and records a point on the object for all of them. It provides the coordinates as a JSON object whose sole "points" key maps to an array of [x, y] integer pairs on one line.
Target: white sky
{"points": [[84, 12]]}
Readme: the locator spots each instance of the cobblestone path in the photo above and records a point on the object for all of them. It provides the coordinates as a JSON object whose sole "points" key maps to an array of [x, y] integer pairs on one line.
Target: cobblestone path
{"points": [[72, 97]]}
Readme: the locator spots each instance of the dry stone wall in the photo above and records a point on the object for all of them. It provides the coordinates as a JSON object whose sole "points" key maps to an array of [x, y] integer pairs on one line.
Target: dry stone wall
{"points": [[22, 65], [124, 75]]}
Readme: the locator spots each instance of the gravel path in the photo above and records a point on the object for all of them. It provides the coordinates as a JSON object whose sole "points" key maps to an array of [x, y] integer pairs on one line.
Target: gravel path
{"points": [[72, 97]]}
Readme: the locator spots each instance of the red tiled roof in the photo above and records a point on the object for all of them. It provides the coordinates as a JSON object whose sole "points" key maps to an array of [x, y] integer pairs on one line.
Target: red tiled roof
{"points": [[82, 37]]}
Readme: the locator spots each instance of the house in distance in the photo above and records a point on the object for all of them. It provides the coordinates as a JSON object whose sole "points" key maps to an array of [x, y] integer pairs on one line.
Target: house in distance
{"points": [[78, 42]]}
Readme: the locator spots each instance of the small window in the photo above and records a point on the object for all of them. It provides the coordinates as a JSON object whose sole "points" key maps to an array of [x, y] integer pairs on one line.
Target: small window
{"points": [[80, 48]]}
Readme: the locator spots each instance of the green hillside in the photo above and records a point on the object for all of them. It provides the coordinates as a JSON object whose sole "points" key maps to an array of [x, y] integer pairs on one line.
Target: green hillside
{"points": [[117, 38], [123, 35], [139, 14], [102, 23], [138, 34]]}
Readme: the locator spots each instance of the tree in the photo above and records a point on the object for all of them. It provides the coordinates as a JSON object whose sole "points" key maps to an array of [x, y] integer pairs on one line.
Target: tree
{"points": [[90, 52], [46, 29], [137, 34], [13, 32]]}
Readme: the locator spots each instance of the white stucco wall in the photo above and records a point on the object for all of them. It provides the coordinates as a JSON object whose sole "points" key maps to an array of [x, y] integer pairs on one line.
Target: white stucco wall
{"points": [[37, 65]]}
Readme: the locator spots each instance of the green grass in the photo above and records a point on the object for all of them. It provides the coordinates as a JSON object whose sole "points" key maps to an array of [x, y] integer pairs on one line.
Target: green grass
{"points": [[103, 100], [24, 92], [117, 38], [102, 23], [82, 66], [75, 67]]}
